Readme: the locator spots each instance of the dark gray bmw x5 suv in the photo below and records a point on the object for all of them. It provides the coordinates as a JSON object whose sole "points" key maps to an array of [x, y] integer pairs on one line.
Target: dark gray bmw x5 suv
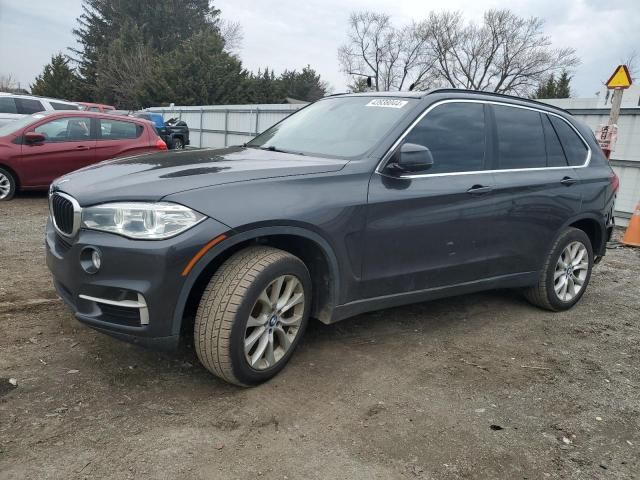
{"points": [[354, 203]]}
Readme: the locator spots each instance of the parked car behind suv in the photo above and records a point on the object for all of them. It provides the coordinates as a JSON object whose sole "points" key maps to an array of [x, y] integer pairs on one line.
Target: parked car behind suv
{"points": [[354, 203], [96, 107], [41, 147], [14, 106]]}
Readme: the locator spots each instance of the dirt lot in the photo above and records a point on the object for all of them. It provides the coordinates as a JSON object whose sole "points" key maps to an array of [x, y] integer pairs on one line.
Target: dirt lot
{"points": [[481, 386]]}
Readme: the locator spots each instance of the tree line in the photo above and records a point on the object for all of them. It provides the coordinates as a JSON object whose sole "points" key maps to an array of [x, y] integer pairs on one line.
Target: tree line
{"points": [[137, 53]]}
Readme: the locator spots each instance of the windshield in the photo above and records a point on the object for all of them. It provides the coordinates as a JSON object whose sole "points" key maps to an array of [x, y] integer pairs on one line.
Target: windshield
{"points": [[15, 125], [336, 127]]}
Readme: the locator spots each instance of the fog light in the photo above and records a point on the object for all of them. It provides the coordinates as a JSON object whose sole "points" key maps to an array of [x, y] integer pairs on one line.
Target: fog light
{"points": [[95, 259], [90, 259]]}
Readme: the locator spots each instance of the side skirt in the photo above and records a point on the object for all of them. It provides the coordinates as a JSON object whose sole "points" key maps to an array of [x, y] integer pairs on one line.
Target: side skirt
{"points": [[357, 307]]}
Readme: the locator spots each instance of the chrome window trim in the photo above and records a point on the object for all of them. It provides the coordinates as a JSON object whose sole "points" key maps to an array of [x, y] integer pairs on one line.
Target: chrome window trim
{"points": [[385, 158], [77, 214]]}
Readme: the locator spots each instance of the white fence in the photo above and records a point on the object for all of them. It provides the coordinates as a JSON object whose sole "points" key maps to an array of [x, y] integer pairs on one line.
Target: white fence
{"points": [[224, 125]]}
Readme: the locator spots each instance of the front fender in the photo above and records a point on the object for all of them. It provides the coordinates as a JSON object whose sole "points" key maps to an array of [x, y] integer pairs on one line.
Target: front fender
{"points": [[236, 237]]}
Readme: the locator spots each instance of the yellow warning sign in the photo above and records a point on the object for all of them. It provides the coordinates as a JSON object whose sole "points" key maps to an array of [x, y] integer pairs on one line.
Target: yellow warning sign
{"points": [[620, 78]]}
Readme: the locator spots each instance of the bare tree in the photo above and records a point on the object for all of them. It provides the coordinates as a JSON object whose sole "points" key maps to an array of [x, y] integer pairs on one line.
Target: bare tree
{"points": [[505, 53], [392, 57], [7, 83], [633, 64], [232, 34]]}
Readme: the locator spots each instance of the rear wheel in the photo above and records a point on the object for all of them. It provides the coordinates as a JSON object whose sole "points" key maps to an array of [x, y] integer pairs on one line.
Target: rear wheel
{"points": [[7, 185], [178, 143], [252, 315], [566, 272]]}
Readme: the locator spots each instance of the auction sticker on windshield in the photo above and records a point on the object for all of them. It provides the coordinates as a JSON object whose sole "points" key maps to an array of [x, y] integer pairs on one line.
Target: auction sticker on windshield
{"points": [[387, 102]]}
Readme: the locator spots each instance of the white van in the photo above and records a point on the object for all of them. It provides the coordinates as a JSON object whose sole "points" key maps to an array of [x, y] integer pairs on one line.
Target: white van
{"points": [[14, 106]]}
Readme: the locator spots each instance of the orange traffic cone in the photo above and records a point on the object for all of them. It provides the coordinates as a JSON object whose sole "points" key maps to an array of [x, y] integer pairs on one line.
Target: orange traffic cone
{"points": [[632, 235]]}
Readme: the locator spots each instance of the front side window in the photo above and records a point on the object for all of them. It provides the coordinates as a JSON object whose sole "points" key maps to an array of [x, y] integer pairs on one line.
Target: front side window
{"points": [[7, 105], [119, 130], [521, 142], [27, 106], [574, 148], [72, 129], [94, 109], [343, 127], [455, 135]]}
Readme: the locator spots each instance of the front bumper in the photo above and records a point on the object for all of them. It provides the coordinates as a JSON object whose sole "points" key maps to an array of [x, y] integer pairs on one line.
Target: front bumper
{"points": [[137, 293]]}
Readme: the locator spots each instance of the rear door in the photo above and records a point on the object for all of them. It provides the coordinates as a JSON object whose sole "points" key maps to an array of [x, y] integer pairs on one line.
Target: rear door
{"points": [[69, 145], [120, 137], [430, 230], [536, 189]]}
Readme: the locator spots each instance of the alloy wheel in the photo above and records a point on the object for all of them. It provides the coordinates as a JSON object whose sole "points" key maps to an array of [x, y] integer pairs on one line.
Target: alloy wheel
{"points": [[571, 271], [5, 186], [274, 322]]}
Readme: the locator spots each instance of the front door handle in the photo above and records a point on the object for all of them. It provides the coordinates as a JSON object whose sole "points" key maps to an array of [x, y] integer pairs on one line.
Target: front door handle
{"points": [[568, 181], [479, 189], [82, 147]]}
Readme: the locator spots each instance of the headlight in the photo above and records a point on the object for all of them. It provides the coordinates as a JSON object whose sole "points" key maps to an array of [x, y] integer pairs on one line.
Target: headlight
{"points": [[141, 221]]}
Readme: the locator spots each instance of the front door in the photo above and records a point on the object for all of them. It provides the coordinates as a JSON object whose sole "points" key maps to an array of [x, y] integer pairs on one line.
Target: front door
{"points": [[69, 145], [429, 230]]}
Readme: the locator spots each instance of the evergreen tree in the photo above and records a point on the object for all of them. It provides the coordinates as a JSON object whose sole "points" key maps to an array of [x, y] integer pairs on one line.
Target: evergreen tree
{"points": [[552, 88], [305, 85], [162, 25], [57, 80]]}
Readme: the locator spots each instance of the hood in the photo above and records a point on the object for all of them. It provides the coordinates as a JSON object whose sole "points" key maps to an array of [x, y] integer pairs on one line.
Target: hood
{"points": [[153, 176]]}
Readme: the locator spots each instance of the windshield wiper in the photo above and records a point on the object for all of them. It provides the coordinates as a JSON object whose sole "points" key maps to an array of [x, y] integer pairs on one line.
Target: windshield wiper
{"points": [[272, 148]]}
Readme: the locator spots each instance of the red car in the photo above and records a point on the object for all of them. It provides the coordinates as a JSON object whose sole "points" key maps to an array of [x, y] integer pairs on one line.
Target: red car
{"points": [[95, 107], [35, 150]]}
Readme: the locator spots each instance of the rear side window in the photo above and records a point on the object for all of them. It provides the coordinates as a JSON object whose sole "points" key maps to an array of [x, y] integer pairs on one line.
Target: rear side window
{"points": [[555, 153], [520, 138], [63, 106], [574, 148], [119, 130], [7, 105], [455, 135], [94, 109], [27, 106]]}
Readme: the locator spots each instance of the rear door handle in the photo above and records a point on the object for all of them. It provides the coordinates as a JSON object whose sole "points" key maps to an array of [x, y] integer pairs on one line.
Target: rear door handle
{"points": [[568, 181], [479, 189], [82, 147]]}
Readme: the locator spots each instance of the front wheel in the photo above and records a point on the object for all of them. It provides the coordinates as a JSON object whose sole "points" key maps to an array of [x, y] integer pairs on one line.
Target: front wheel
{"points": [[566, 272], [252, 315], [7, 185]]}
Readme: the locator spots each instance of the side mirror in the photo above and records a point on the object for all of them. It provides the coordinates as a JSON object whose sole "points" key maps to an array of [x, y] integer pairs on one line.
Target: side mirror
{"points": [[33, 138], [412, 158]]}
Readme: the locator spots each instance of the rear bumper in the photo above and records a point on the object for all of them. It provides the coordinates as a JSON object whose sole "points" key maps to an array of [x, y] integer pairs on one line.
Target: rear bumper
{"points": [[138, 292]]}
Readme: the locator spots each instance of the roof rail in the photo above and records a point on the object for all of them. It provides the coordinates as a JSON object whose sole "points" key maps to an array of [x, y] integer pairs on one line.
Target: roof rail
{"points": [[494, 94]]}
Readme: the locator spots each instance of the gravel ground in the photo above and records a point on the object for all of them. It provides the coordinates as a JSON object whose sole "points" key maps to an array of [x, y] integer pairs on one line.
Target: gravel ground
{"points": [[479, 386]]}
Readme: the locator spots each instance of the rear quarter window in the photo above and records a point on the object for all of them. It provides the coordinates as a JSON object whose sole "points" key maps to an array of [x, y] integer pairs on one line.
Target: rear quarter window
{"points": [[63, 106], [27, 106], [574, 148], [119, 130]]}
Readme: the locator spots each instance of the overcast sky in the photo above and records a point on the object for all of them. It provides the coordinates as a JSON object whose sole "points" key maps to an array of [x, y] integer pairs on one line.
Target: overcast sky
{"points": [[292, 33]]}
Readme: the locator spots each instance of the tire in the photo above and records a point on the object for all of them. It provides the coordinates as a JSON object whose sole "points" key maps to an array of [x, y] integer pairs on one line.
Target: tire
{"points": [[544, 294], [7, 185], [178, 143], [242, 287]]}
